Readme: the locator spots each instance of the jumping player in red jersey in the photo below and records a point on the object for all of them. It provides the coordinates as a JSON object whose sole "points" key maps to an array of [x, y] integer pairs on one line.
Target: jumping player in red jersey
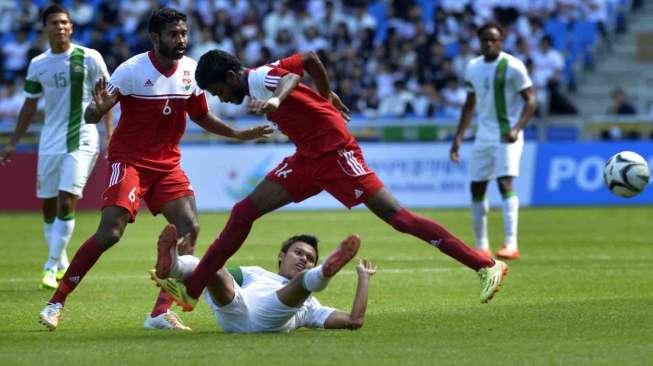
{"points": [[327, 158], [156, 90]]}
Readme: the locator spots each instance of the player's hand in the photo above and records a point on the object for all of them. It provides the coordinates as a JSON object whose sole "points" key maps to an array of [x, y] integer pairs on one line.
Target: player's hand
{"points": [[453, 152], [6, 153], [255, 133], [365, 268], [512, 135], [263, 106], [340, 107], [101, 96]]}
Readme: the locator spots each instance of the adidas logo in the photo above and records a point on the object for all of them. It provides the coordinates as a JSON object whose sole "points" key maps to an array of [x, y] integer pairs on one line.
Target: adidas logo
{"points": [[74, 279], [358, 193], [436, 243], [148, 83]]}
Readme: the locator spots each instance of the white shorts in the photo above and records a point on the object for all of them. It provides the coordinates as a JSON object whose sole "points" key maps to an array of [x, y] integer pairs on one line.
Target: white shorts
{"points": [[67, 172], [489, 161], [252, 313]]}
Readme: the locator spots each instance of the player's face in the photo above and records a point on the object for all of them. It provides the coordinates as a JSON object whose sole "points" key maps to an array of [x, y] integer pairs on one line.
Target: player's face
{"points": [[300, 256], [229, 91], [491, 42], [173, 40], [59, 28]]}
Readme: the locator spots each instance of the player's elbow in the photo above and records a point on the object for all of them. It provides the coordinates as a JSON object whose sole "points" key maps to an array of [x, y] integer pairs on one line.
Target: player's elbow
{"points": [[310, 57], [355, 323]]}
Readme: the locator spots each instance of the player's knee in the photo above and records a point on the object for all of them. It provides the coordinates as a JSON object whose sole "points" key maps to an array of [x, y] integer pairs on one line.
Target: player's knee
{"points": [[107, 237]]}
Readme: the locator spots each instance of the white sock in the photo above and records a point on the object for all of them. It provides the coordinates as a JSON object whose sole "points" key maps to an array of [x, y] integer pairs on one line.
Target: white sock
{"points": [[60, 235], [183, 266], [47, 232], [480, 210], [510, 217], [63, 260], [314, 280]]}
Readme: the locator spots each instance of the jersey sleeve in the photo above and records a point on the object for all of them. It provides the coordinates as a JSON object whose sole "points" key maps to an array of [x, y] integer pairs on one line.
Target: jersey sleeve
{"points": [[100, 68], [469, 85], [196, 105], [237, 274], [121, 81], [316, 315], [264, 80], [293, 63], [520, 79], [33, 87]]}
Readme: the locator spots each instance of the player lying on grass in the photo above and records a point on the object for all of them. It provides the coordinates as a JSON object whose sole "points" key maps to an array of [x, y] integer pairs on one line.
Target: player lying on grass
{"points": [[327, 158], [254, 300]]}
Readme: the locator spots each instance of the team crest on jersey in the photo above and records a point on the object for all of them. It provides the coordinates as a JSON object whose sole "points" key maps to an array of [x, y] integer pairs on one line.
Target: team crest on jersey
{"points": [[187, 82], [78, 68]]}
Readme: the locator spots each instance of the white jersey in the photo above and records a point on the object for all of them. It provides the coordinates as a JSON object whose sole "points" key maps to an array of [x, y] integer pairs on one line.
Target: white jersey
{"points": [[497, 85], [66, 80], [256, 307]]}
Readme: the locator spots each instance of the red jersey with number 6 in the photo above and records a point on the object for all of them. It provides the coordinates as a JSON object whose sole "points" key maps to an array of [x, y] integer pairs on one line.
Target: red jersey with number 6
{"points": [[153, 105], [309, 120]]}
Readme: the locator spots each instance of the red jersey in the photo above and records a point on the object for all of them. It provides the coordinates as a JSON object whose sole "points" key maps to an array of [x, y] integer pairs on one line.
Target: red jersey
{"points": [[309, 120], [153, 106]]}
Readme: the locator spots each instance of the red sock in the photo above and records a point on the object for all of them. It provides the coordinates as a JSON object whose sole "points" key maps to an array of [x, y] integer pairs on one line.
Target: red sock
{"points": [[228, 242], [162, 304], [82, 262], [435, 234]]}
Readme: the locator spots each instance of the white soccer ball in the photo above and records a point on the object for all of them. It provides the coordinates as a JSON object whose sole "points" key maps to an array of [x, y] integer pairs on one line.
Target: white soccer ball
{"points": [[626, 174]]}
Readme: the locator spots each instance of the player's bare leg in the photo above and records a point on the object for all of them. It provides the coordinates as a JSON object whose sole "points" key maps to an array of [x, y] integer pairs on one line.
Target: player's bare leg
{"points": [[480, 210], [112, 226], [181, 213], [316, 279], [221, 287], [266, 197], [509, 250], [385, 206]]}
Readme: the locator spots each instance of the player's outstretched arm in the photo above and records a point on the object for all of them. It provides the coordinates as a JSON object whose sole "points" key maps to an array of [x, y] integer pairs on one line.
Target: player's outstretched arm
{"points": [[315, 68], [25, 118], [355, 319], [527, 111], [211, 123], [463, 124], [102, 102]]}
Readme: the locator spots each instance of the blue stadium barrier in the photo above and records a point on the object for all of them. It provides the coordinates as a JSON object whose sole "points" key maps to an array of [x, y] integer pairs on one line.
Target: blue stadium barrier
{"points": [[557, 30]]}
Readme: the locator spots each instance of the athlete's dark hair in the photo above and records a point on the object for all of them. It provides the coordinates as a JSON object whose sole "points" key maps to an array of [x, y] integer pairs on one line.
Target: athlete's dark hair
{"points": [[163, 16], [490, 25], [54, 9], [212, 67], [306, 238]]}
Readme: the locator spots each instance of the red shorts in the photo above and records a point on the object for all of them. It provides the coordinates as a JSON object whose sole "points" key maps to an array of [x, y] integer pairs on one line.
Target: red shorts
{"points": [[342, 173], [128, 184]]}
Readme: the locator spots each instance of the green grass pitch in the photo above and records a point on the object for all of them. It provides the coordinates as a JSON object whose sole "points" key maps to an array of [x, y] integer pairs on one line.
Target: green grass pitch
{"points": [[581, 294]]}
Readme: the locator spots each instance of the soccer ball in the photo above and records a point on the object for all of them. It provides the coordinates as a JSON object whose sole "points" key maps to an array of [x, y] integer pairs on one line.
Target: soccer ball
{"points": [[626, 174]]}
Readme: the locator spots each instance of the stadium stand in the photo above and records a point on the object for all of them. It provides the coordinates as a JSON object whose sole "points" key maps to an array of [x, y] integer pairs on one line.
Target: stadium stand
{"points": [[377, 52]]}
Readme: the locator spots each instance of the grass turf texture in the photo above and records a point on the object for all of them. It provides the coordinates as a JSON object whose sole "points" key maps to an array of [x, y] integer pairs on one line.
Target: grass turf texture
{"points": [[581, 294]]}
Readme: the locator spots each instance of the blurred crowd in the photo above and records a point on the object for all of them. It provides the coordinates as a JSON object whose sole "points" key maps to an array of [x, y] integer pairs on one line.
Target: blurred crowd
{"points": [[385, 58]]}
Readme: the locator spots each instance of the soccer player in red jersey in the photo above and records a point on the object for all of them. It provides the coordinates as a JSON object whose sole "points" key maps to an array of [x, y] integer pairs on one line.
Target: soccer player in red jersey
{"points": [[156, 90], [327, 158]]}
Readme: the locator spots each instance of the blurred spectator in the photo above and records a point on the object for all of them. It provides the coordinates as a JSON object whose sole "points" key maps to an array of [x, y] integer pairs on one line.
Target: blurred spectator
{"points": [[425, 103], [621, 106], [82, 14], [453, 97], [205, 45], [10, 14], [463, 57], [29, 14], [11, 101], [312, 41], [398, 103], [559, 104], [548, 61], [278, 20], [369, 102], [15, 55]]}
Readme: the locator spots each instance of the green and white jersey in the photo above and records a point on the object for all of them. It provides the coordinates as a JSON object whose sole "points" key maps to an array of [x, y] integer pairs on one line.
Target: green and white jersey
{"points": [[66, 80], [497, 85]]}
